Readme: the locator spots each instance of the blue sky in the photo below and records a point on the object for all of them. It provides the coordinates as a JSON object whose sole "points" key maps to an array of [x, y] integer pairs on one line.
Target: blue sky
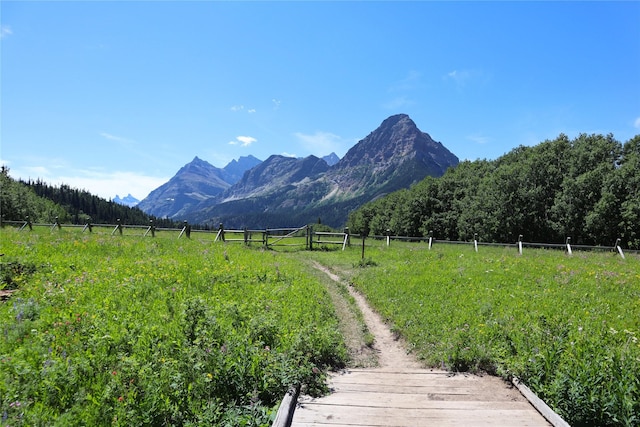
{"points": [[115, 97]]}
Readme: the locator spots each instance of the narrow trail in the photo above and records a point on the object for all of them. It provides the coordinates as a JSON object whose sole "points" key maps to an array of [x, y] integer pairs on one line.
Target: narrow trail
{"points": [[396, 390], [389, 350]]}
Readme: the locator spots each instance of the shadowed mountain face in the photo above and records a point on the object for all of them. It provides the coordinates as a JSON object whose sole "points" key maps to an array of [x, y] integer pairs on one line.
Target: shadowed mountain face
{"points": [[195, 182], [392, 157], [284, 191]]}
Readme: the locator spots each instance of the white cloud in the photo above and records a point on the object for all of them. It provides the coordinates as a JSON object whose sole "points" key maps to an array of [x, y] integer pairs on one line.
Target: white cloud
{"points": [[321, 143], [478, 138], [115, 138], [276, 103], [460, 77], [410, 82], [39, 171], [241, 108], [403, 90], [97, 182], [284, 153], [398, 103], [636, 123], [5, 31], [243, 141]]}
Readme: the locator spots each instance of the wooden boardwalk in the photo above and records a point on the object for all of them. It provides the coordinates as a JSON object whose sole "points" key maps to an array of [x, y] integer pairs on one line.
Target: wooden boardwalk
{"points": [[401, 393], [416, 397]]}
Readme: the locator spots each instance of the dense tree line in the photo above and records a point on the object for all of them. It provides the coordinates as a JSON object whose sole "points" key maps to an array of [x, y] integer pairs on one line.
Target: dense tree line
{"points": [[17, 201], [587, 188], [43, 203]]}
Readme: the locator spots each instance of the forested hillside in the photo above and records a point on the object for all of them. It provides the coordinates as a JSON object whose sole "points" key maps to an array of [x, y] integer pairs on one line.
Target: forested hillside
{"points": [[43, 203], [587, 188]]}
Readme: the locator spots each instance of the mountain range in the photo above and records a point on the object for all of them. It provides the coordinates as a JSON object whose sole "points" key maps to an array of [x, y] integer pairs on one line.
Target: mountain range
{"points": [[286, 191], [129, 200]]}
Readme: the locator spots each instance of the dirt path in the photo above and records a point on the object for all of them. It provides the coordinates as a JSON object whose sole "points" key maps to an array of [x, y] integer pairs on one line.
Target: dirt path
{"points": [[391, 357], [388, 349]]}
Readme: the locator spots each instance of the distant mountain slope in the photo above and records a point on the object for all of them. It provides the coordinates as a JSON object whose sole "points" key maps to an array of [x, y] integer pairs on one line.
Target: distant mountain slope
{"points": [[331, 159], [285, 191], [129, 200], [273, 175], [393, 156], [234, 170], [195, 182]]}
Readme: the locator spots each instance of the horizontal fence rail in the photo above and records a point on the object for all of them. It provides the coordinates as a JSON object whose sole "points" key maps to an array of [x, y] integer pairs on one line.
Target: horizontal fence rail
{"points": [[304, 236]]}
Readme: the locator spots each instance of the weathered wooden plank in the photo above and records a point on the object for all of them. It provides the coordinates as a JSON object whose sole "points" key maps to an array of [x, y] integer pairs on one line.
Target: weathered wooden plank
{"points": [[413, 397], [400, 389], [410, 401], [367, 416], [540, 405]]}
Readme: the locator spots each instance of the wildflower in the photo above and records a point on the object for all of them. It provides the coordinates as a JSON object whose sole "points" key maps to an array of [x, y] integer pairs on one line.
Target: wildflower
{"points": [[114, 373], [120, 399]]}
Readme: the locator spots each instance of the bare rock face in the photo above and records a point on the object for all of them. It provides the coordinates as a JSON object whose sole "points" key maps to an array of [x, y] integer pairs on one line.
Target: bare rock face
{"points": [[282, 191], [397, 153], [194, 183]]}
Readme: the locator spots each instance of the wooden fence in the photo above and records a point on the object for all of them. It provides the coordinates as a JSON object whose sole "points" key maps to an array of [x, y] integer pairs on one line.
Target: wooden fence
{"points": [[303, 237]]}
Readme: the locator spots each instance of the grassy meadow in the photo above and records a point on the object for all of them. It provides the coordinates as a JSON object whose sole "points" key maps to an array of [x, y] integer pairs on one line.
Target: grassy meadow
{"points": [[125, 330], [567, 326]]}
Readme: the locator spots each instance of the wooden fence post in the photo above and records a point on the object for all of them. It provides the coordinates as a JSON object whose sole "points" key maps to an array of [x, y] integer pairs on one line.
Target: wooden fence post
{"points": [[619, 248], [151, 228], [348, 236], [27, 222], [118, 228], [364, 236], [246, 236], [430, 238], [388, 237], [186, 230], [310, 237], [88, 226], [220, 234], [475, 241], [520, 244], [568, 243], [56, 223]]}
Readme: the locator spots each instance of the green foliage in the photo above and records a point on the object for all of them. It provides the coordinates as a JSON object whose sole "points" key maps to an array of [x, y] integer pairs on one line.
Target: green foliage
{"points": [[133, 331], [365, 262], [43, 203], [587, 188], [569, 327], [17, 202], [13, 273]]}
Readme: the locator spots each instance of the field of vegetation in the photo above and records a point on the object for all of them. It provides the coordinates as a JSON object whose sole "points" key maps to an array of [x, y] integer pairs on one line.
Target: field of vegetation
{"points": [[124, 330], [567, 326]]}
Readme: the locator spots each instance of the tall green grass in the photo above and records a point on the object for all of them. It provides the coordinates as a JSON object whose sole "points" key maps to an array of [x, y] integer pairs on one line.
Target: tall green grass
{"points": [[123, 330], [568, 326]]}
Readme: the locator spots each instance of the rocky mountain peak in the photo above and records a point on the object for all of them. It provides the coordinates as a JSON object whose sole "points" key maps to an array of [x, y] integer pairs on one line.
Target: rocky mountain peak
{"points": [[235, 169], [284, 190], [393, 141]]}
